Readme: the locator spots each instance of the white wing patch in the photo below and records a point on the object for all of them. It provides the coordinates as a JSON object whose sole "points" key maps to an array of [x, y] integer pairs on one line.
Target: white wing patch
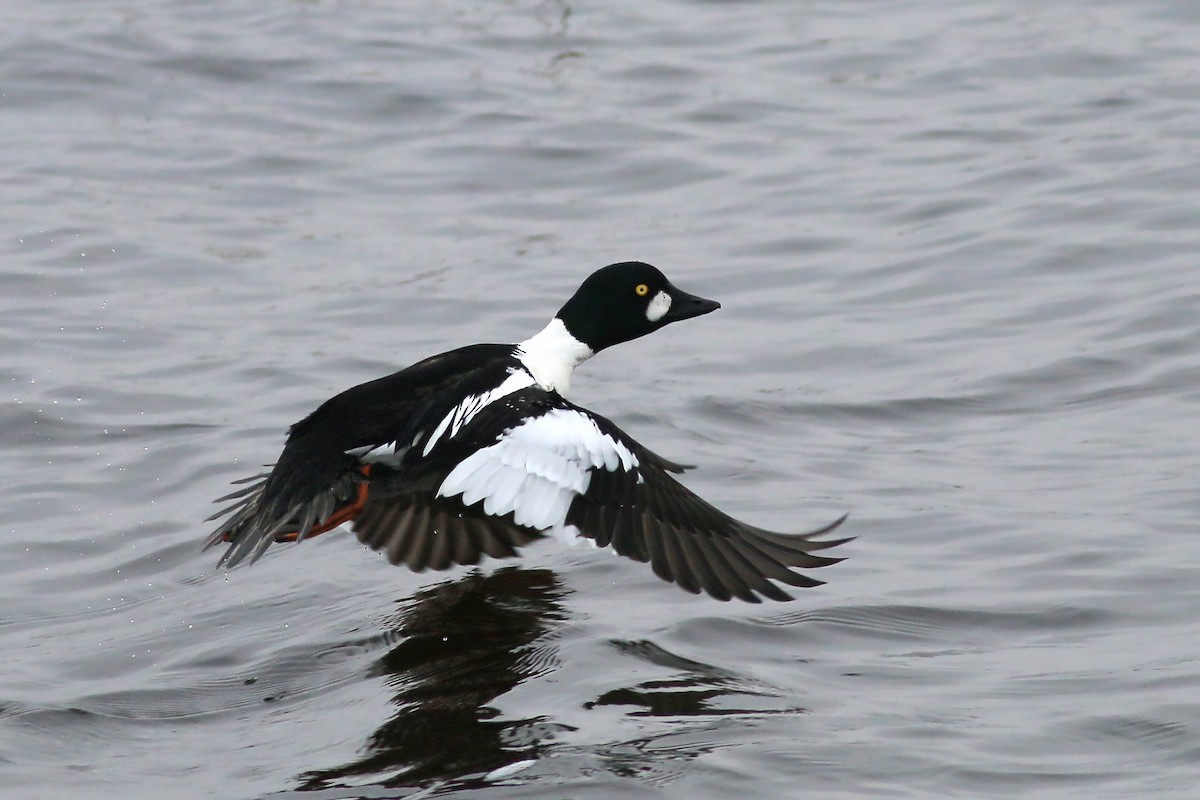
{"points": [[537, 468], [462, 413], [388, 453]]}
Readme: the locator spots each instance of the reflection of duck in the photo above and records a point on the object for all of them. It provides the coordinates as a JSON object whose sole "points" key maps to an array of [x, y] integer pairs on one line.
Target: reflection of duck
{"points": [[464, 644], [477, 451], [693, 689]]}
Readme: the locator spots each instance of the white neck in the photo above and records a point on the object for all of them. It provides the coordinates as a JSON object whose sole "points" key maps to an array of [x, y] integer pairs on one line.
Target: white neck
{"points": [[551, 354]]}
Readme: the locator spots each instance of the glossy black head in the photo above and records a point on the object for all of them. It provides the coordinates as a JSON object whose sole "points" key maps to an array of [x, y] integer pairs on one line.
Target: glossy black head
{"points": [[627, 300]]}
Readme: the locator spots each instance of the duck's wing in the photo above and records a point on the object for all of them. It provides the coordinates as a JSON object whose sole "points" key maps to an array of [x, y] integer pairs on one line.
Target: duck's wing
{"points": [[536, 463], [321, 477], [410, 523], [646, 514]]}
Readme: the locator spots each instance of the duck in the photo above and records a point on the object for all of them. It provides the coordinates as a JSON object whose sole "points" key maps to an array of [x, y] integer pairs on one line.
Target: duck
{"points": [[478, 451]]}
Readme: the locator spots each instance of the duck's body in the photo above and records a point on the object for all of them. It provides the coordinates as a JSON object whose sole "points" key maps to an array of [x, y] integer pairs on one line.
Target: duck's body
{"points": [[478, 451]]}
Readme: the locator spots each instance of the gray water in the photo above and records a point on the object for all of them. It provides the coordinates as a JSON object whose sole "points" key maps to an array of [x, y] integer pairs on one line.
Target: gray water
{"points": [[956, 242]]}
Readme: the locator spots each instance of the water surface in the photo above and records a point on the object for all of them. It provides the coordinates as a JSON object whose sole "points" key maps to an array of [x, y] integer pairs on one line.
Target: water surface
{"points": [[955, 244]]}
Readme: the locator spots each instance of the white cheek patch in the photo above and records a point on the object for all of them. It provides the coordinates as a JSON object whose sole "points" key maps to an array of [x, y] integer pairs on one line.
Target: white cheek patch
{"points": [[659, 306]]}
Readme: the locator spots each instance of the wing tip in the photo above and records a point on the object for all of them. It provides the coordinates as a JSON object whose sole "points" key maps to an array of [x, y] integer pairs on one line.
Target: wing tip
{"points": [[832, 526]]}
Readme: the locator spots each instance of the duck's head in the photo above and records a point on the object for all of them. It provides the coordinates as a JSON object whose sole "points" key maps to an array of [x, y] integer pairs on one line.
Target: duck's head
{"points": [[624, 301]]}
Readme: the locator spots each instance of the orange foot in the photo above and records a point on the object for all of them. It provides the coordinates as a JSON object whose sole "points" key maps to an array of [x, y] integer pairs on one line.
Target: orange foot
{"points": [[343, 514]]}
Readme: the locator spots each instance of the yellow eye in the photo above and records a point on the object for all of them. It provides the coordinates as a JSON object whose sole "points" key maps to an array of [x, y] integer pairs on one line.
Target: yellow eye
{"points": [[641, 289]]}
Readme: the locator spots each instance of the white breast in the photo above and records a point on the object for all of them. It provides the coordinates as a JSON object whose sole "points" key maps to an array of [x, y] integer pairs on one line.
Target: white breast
{"points": [[551, 354], [537, 468]]}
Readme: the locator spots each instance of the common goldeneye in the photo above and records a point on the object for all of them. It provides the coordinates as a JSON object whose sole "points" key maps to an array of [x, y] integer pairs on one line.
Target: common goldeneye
{"points": [[478, 451]]}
